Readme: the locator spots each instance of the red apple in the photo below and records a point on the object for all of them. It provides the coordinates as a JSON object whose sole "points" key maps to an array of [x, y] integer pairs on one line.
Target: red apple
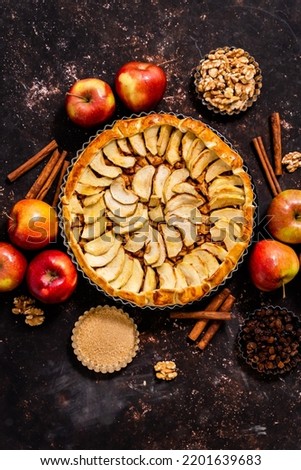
{"points": [[51, 276], [32, 224], [140, 85], [13, 266], [272, 264], [285, 216], [90, 102]]}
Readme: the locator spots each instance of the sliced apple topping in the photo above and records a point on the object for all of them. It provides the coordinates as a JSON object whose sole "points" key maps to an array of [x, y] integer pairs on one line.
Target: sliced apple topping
{"points": [[198, 264], [181, 282], [187, 229], [91, 200], [224, 200], [151, 138], [215, 169], [142, 182], [160, 178], [86, 189], [185, 187], [99, 166], [112, 152], [224, 181], [75, 206], [156, 214], [217, 250], [172, 239], [201, 163], [94, 211], [183, 200], [94, 230], [150, 280], [207, 259], [100, 245], [124, 146], [134, 283], [194, 153], [138, 145], [227, 232], [113, 269], [97, 261], [176, 177], [125, 274], [167, 278], [187, 141], [89, 178], [121, 194], [116, 207], [188, 212], [227, 213], [172, 153], [190, 273], [163, 138], [134, 223], [155, 253]]}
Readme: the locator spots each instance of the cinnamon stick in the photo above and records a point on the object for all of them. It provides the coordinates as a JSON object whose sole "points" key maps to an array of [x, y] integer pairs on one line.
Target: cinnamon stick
{"points": [[266, 165], [48, 183], [202, 315], [215, 324], [32, 161], [64, 167], [276, 140], [43, 176], [214, 305]]}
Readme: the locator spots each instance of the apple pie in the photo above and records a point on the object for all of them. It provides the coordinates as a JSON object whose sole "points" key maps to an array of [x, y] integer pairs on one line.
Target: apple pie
{"points": [[158, 210]]}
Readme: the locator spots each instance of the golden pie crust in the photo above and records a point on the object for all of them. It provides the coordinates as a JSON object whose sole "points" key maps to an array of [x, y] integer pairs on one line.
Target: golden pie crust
{"points": [[158, 210]]}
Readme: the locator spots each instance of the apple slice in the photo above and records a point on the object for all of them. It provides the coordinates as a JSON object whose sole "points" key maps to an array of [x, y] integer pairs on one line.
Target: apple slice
{"points": [[215, 169], [162, 250], [134, 283], [86, 189], [187, 141], [160, 178], [185, 187], [113, 153], [195, 152], [142, 182], [202, 162], [190, 212], [102, 260], [156, 214], [172, 154], [224, 200], [176, 177], [125, 274], [91, 200], [151, 138], [183, 200], [136, 222], [228, 213], [223, 231], [167, 278], [217, 250], [117, 208], [94, 212], [98, 165], [100, 245], [187, 229], [172, 239], [150, 280], [138, 145], [121, 194], [207, 259], [113, 269], [163, 138], [225, 190], [152, 253], [134, 244], [75, 206], [124, 146], [94, 230], [190, 274], [181, 282], [198, 265], [224, 181], [89, 178]]}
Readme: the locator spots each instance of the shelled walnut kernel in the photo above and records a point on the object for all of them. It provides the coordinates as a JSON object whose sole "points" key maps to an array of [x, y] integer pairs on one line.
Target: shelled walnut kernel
{"points": [[165, 370], [26, 306], [228, 79]]}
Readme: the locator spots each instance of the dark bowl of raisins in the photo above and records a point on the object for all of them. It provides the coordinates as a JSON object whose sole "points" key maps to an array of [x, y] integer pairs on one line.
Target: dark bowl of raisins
{"points": [[269, 340]]}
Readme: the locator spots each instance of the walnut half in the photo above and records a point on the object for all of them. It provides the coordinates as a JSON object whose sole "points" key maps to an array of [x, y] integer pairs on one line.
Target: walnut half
{"points": [[26, 306], [165, 370]]}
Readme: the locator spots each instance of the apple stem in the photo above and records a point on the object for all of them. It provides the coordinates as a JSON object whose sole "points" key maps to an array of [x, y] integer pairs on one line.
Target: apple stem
{"points": [[77, 96], [8, 216], [283, 291]]}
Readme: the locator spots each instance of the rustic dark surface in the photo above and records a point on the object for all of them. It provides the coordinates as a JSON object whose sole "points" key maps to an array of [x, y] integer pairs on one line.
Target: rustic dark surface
{"points": [[48, 400]]}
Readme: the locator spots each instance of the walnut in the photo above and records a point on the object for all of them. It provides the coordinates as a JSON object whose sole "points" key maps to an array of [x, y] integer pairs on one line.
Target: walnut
{"points": [[165, 370], [292, 161], [228, 79], [26, 306]]}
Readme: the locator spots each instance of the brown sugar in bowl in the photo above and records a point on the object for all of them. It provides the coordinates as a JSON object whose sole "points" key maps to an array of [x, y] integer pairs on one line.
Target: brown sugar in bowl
{"points": [[105, 339]]}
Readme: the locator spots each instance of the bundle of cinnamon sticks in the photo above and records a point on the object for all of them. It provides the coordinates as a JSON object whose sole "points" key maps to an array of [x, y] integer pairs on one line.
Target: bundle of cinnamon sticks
{"points": [[210, 319], [55, 167], [271, 172]]}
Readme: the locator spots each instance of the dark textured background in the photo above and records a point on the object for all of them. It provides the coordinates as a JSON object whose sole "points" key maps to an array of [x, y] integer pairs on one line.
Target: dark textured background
{"points": [[48, 400]]}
